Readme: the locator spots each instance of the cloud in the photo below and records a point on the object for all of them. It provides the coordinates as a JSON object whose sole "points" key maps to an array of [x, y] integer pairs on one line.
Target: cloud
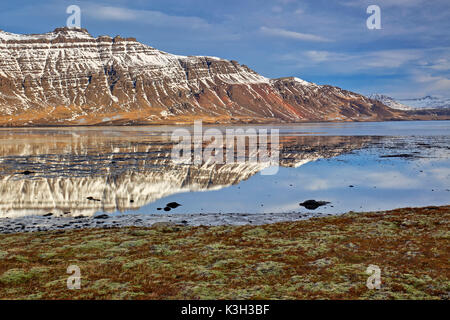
{"points": [[442, 64], [434, 83], [363, 178], [390, 58], [391, 180], [322, 56], [278, 32], [383, 3], [113, 13], [384, 59], [150, 17]]}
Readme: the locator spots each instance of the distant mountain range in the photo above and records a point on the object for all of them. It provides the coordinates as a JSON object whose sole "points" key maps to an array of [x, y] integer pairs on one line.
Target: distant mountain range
{"points": [[424, 103], [68, 77]]}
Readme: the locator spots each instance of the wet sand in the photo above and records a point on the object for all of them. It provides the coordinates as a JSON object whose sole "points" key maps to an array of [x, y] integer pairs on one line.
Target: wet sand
{"points": [[42, 223]]}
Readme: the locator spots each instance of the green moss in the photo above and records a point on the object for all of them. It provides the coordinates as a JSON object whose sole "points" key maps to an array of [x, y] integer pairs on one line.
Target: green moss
{"points": [[94, 244], [133, 243], [255, 232], [270, 268], [16, 276], [132, 264], [163, 250], [20, 258], [106, 286], [142, 233], [47, 255]]}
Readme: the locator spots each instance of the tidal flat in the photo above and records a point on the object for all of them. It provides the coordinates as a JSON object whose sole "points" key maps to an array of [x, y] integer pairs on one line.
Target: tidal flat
{"points": [[319, 258]]}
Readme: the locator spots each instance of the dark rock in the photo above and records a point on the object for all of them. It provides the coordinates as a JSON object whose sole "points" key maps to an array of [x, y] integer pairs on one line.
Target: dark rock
{"points": [[48, 214], [313, 204], [402, 155], [93, 199], [27, 172], [101, 216], [167, 209], [173, 205]]}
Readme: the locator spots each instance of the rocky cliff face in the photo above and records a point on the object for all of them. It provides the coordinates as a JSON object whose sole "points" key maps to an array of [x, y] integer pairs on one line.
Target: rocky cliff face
{"points": [[68, 77]]}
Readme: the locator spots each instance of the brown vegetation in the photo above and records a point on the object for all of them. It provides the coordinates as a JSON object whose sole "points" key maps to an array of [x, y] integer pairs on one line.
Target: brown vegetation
{"points": [[322, 258]]}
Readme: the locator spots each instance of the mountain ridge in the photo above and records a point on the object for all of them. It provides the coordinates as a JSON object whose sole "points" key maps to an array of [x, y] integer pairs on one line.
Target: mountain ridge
{"points": [[68, 77], [423, 103]]}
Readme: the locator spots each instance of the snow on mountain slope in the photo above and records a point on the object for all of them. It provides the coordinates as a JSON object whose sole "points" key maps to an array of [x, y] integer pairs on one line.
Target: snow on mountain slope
{"points": [[427, 102], [68, 77], [390, 102]]}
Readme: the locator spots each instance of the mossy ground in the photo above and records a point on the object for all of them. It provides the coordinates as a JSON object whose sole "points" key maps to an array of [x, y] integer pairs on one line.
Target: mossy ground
{"points": [[322, 258]]}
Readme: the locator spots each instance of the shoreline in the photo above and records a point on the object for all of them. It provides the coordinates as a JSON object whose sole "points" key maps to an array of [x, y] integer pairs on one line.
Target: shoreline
{"points": [[210, 123], [43, 223], [30, 224], [323, 258]]}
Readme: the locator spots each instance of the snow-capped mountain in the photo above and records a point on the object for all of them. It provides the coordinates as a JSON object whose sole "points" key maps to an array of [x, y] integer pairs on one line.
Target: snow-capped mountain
{"points": [[68, 77], [427, 102], [390, 102]]}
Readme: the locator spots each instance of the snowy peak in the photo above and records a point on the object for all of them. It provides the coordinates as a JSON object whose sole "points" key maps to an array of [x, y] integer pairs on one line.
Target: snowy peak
{"points": [[390, 102], [297, 81], [427, 102], [66, 33]]}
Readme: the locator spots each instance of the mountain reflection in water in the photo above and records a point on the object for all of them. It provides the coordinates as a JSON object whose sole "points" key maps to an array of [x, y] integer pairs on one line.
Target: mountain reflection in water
{"points": [[66, 172]]}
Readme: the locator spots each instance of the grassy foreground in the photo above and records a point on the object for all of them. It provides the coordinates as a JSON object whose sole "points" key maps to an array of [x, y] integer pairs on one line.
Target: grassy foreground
{"points": [[313, 259]]}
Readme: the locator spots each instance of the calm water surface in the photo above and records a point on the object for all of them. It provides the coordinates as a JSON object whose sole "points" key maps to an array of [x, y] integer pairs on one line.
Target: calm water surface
{"points": [[354, 166]]}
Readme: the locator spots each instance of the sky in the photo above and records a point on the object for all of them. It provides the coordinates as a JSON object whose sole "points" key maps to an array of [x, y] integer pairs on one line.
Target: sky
{"points": [[323, 41]]}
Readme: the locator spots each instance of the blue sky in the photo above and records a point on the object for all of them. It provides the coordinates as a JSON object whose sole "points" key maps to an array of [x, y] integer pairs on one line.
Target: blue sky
{"points": [[323, 41]]}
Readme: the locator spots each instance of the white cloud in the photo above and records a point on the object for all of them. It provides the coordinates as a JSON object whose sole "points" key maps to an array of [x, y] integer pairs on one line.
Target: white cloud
{"points": [[383, 3], [362, 178], [321, 56], [391, 180], [434, 83], [150, 17], [365, 60], [440, 64], [390, 58], [278, 32], [113, 13]]}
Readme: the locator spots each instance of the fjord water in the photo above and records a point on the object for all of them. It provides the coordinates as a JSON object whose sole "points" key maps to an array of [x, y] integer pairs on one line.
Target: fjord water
{"points": [[128, 170]]}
